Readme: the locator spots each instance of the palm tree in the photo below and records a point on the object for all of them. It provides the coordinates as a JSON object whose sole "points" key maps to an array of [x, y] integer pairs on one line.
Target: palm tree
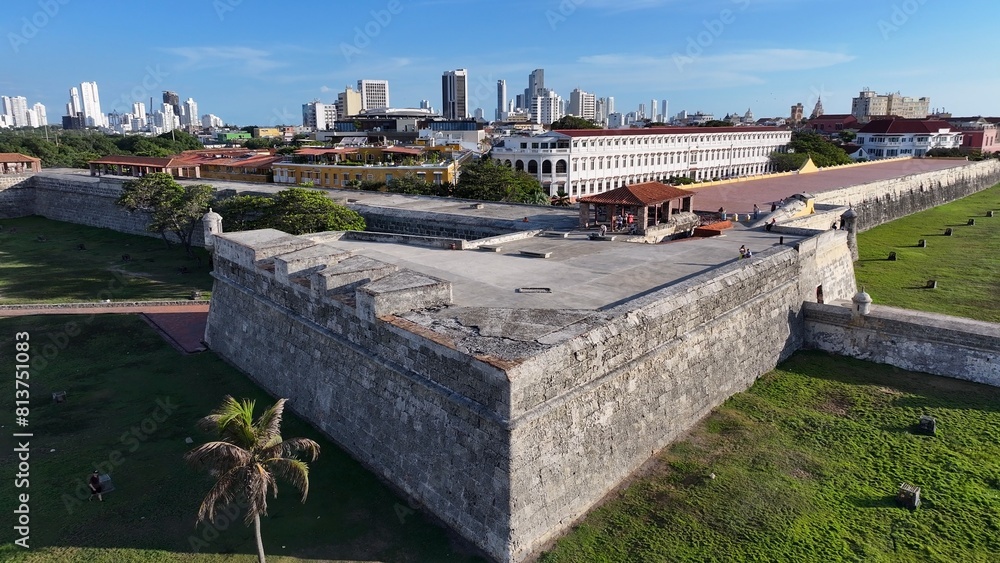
{"points": [[246, 459]]}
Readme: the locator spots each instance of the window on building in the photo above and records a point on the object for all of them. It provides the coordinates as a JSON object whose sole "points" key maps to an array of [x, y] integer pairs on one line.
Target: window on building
{"points": [[437, 178], [388, 178], [524, 145]]}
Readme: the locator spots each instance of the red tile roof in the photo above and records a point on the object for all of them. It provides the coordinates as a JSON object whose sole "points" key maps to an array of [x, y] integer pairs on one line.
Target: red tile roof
{"points": [[256, 161], [647, 193], [901, 125], [128, 160], [834, 117], [664, 131], [17, 157]]}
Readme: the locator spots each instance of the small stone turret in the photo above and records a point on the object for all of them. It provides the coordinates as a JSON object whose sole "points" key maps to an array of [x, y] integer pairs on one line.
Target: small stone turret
{"points": [[211, 223], [849, 222], [862, 304]]}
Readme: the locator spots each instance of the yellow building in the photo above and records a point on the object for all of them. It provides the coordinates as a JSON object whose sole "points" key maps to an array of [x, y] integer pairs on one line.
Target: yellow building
{"points": [[341, 167], [267, 132]]}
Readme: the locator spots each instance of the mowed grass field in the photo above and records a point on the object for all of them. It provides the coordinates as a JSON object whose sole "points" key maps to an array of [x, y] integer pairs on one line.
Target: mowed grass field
{"points": [[806, 465], [966, 265], [131, 402], [40, 261]]}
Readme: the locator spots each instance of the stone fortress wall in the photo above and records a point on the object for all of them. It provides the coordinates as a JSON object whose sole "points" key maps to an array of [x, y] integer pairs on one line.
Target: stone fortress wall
{"points": [[507, 450]]}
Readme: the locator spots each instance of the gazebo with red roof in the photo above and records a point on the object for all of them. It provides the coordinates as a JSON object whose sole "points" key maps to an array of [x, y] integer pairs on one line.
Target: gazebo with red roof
{"points": [[649, 202], [17, 163]]}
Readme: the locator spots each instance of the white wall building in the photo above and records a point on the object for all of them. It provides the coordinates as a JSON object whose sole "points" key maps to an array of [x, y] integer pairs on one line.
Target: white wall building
{"points": [[318, 116], [90, 102], [583, 104], [374, 94], [589, 161], [18, 108], [190, 109], [546, 108], [210, 121], [890, 138]]}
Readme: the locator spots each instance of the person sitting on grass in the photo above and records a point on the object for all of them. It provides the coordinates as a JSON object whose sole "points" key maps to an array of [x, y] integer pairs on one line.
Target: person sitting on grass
{"points": [[95, 486]]}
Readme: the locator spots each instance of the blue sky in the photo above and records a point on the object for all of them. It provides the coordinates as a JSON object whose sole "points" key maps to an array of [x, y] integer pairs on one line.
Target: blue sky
{"points": [[257, 61]]}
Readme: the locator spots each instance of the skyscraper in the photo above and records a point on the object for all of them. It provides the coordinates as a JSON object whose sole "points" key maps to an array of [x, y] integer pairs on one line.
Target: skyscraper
{"points": [[653, 106], [610, 104], [374, 93], [664, 114], [90, 102], [546, 107], [74, 108], [190, 113], [501, 113], [40, 114], [583, 104], [454, 93], [536, 85], [173, 99]]}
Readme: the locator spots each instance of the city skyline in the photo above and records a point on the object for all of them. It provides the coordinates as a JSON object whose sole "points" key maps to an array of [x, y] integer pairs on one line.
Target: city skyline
{"points": [[716, 56]]}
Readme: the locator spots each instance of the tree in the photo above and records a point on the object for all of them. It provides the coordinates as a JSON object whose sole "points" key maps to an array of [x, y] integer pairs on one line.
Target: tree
{"points": [[172, 208], [809, 144], [295, 210], [246, 459], [847, 136], [573, 122], [717, 123], [561, 199], [411, 184], [489, 180]]}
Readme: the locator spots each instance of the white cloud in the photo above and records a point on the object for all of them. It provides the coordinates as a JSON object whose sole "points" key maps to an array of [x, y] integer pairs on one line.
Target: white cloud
{"points": [[242, 60]]}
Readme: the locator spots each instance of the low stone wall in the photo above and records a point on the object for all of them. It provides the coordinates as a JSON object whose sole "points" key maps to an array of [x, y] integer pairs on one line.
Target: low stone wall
{"points": [[888, 200], [412, 240], [910, 340], [17, 196], [421, 223]]}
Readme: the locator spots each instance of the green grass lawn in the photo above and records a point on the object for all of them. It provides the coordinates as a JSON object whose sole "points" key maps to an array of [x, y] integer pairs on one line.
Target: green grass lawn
{"points": [[115, 371], [56, 270], [966, 265], [806, 467]]}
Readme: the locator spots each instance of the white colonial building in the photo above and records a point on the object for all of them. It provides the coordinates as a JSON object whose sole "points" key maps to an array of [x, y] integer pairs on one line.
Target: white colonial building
{"points": [[890, 138], [591, 161]]}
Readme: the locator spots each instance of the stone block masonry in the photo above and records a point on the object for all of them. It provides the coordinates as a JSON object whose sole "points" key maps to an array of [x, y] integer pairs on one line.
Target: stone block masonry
{"points": [[507, 440], [911, 340], [17, 196]]}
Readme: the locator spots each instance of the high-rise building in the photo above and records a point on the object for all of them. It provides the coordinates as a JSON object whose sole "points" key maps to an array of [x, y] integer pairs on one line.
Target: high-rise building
{"points": [[40, 114], [479, 114], [501, 113], [653, 106], [642, 112], [166, 120], [664, 114], [546, 108], [173, 99], [74, 107], [349, 103], [139, 110], [425, 104], [210, 121], [868, 105], [536, 85], [90, 102], [583, 104], [454, 94], [610, 104], [374, 93], [318, 116], [17, 108], [190, 114]]}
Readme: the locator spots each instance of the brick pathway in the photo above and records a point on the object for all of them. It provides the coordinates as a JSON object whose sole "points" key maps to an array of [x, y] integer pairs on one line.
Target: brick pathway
{"points": [[180, 324]]}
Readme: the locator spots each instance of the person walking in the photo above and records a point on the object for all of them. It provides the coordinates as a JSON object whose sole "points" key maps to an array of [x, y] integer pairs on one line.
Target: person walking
{"points": [[756, 212], [95, 486]]}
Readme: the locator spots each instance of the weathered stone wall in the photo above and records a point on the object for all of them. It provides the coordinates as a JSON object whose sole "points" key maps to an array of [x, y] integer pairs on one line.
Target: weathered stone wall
{"points": [[588, 413], [888, 200], [425, 417], [507, 453], [910, 340], [410, 222], [17, 196]]}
